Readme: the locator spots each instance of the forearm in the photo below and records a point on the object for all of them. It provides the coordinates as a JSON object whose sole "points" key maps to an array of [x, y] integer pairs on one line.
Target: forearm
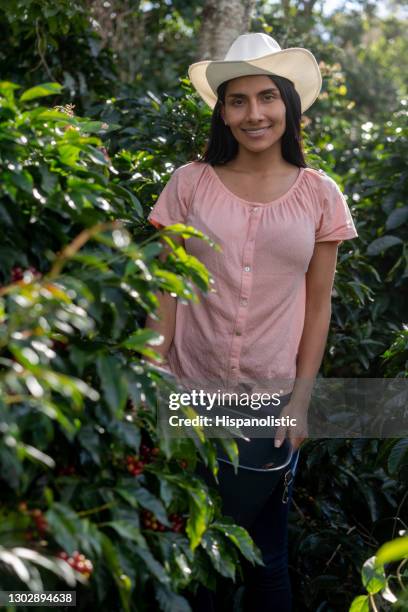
{"points": [[166, 322], [311, 349]]}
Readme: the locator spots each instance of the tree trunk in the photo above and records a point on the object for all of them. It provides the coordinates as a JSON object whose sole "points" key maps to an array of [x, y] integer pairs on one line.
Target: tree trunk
{"points": [[222, 22], [308, 7]]}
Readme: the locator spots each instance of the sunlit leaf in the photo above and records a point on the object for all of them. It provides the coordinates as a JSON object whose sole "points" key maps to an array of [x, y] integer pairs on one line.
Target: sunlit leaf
{"points": [[373, 575], [396, 550], [46, 89]]}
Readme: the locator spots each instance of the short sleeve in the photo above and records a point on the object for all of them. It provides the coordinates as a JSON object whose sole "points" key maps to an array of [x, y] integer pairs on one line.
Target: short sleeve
{"points": [[173, 202], [336, 222]]}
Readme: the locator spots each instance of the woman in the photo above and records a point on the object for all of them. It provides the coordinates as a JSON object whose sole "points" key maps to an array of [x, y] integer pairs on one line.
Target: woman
{"points": [[279, 224]]}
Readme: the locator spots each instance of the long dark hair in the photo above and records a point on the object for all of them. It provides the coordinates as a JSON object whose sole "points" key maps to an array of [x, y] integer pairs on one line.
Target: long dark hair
{"points": [[222, 146]]}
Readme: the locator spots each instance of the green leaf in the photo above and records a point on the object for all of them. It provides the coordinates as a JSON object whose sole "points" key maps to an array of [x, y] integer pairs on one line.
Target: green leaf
{"points": [[48, 114], [35, 454], [146, 499], [360, 604], [242, 540], [8, 86], [395, 550], [231, 448], [397, 218], [193, 267], [69, 154], [23, 180], [113, 383], [356, 286], [65, 526], [397, 455], [128, 433], [187, 231], [95, 155], [141, 337], [369, 494], [93, 261], [171, 282], [49, 180], [155, 568], [127, 531], [134, 494], [91, 442], [190, 413], [382, 244], [167, 491], [112, 560], [17, 567], [11, 466], [152, 250], [199, 516], [169, 601], [88, 126], [128, 195], [40, 91], [373, 576], [214, 546], [57, 566]]}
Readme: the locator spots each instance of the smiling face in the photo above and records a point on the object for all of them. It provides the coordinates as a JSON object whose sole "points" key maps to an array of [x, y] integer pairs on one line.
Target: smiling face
{"points": [[255, 112]]}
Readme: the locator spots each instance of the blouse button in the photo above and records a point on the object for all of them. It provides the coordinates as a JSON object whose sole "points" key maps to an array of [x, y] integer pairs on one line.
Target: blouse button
{"points": [[247, 268], [254, 209], [244, 302]]}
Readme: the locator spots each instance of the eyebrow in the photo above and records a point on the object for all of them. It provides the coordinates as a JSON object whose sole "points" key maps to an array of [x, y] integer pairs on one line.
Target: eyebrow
{"points": [[242, 95]]}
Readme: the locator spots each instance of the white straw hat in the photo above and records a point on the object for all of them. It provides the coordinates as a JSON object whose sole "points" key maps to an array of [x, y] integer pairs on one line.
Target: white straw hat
{"points": [[258, 53]]}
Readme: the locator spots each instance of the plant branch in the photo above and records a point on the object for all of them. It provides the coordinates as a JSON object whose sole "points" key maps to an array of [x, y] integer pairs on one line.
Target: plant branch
{"points": [[372, 602], [43, 61], [397, 517], [399, 574], [338, 548], [96, 510], [71, 249]]}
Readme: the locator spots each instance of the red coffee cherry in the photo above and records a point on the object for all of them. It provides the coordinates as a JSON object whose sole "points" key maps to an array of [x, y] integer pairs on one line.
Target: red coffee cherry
{"points": [[39, 520], [17, 274], [134, 465], [177, 522], [77, 561], [62, 555]]}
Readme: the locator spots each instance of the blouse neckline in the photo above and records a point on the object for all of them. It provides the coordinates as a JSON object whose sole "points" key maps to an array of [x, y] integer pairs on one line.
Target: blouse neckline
{"points": [[253, 203]]}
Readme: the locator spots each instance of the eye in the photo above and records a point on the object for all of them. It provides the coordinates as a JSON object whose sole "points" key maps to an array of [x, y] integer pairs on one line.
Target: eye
{"points": [[269, 96]]}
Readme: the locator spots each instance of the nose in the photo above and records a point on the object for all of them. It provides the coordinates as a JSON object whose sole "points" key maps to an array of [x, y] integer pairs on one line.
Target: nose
{"points": [[254, 111]]}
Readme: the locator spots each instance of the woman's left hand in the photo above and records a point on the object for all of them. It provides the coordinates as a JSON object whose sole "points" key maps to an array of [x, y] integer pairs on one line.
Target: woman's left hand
{"points": [[298, 432]]}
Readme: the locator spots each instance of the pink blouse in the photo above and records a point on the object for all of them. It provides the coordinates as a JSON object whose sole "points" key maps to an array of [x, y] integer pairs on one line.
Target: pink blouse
{"points": [[250, 326]]}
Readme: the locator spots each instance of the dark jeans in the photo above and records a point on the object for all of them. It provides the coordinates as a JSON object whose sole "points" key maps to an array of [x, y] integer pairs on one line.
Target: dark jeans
{"points": [[267, 588]]}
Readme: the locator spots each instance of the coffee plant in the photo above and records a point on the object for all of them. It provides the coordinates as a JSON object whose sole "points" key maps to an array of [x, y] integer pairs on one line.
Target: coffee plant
{"points": [[94, 495]]}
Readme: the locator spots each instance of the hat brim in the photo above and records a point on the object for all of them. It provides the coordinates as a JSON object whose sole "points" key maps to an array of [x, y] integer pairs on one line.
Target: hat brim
{"points": [[296, 64]]}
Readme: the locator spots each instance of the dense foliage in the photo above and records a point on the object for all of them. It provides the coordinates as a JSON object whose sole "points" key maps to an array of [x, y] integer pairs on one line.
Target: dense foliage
{"points": [[89, 482]]}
